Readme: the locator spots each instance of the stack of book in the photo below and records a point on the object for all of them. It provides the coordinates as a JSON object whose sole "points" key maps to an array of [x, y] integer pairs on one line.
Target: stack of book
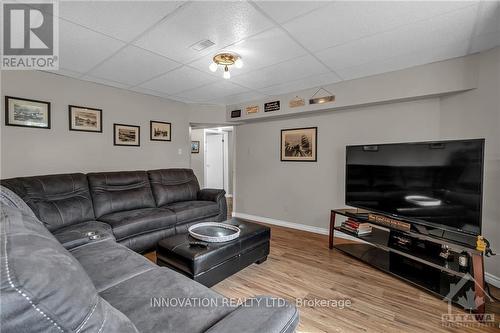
{"points": [[355, 227]]}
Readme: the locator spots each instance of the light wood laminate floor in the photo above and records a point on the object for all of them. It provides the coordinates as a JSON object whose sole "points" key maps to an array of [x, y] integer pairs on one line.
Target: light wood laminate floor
{"points": [[301, 266]]}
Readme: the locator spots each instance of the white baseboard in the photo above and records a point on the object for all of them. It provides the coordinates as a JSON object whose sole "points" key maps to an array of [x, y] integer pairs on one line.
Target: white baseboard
{"points": [[490, 278], [286, 224]]}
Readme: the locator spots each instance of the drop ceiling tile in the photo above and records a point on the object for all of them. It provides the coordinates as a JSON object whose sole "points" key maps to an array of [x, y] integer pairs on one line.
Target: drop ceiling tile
{"points": [[105, 82], [302, 84], [428, 34], [265, 49], [407, 60], [239, 98], [133, 65], [344, 21], [178, 80], [222, 22], [65, 72], [80, 49], [488, 19], [282, 11], [124, 20], [212, 91], [149, 92], [281, 73]]}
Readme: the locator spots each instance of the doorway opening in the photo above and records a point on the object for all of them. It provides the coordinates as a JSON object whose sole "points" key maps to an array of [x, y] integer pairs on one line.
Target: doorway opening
{"points": [[213, 164]]}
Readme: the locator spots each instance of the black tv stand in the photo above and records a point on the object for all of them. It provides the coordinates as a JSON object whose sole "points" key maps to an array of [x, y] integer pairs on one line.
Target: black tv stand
{"points": [[414, 255]]}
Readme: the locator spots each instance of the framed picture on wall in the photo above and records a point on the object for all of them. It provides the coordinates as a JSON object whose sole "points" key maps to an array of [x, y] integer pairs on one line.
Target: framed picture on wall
{"points": [[85, 119], [126, 135], [195, 147], [160, 131], [26, 112], [299, 144]]}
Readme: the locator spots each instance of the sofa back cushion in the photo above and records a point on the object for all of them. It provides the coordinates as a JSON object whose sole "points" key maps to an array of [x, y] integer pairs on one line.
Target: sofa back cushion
{"points": [[57, 200], [44, 288], [173, 185], [120, 191]]}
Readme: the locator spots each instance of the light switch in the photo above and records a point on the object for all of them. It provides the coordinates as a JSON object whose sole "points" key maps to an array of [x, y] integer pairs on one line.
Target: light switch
{"points": [[179, 151]]}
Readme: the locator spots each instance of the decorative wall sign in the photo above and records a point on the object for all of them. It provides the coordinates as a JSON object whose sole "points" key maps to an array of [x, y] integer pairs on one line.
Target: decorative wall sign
{"points": [[126, 135], [236, 114], [299, 144], [195, 147], [296, 102], [160, 131], [252, 109], [272, 106], [26, 112], [320, 100], [85, 119]]}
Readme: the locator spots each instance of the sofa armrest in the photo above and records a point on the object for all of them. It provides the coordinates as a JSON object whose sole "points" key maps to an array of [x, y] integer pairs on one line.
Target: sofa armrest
{"points": [[217, 196], [211, 194], [260, 314]]}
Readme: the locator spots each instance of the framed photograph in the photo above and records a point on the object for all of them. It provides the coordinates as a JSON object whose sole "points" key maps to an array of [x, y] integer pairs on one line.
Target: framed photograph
{"points": [[299, 144], [26, 112], [195, 147], [160, 131], [85, 119], [235, 113], [126, 135]]}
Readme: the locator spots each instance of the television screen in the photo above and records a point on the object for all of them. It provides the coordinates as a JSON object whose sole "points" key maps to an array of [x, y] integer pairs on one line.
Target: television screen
{"points": [[433, 183]]}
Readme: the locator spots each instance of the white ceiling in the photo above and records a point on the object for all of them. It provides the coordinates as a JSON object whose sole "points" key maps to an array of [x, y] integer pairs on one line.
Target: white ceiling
{"points": [[286, 45]]}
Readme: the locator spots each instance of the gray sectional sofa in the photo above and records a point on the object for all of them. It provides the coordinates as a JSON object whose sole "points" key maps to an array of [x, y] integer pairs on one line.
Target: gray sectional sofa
{"points": [[138, 207], [54, 278]]}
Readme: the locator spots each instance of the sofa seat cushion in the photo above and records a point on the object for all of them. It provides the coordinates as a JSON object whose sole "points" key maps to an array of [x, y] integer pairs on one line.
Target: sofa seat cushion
{"points": [[152, 301], [43, 287], [108, 263], [260, 314], [135, 222], [187, 211], [83, 233]]}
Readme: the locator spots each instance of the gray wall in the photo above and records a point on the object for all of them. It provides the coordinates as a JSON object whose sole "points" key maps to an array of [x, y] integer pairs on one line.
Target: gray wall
{"points": [[32, 151], [198, 160], [304, 193], [477, 114]]}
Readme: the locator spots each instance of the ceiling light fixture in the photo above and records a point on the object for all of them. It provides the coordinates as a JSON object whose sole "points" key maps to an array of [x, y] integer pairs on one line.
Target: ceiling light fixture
{"points": [[226, 60]]}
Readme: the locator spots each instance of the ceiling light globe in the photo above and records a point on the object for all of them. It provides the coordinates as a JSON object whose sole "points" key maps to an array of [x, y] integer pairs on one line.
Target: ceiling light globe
{"points": [[226, 75], [238, 63], [213, 67]]}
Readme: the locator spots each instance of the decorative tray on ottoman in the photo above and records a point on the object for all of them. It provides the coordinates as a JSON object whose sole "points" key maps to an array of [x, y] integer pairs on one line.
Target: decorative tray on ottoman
{"points": [[214, 232]]}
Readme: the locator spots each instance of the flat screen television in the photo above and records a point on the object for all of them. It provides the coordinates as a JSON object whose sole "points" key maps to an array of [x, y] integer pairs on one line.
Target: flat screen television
{"points": [[438, 184]]}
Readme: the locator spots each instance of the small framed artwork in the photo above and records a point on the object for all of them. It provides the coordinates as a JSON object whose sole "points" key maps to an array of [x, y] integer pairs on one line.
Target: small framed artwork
{"points": [[195, 147], [85, 119], [235, 113], [252, 109], [160, 131], [126, 135], [26, 112], [299, 144]]}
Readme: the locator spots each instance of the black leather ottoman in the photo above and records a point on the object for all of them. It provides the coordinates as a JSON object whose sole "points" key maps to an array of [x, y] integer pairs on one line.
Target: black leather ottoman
{"points": [[214, 262]]}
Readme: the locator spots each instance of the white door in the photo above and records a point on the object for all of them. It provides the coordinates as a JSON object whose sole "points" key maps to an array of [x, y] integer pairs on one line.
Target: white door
{"points": [[214, 161]]}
